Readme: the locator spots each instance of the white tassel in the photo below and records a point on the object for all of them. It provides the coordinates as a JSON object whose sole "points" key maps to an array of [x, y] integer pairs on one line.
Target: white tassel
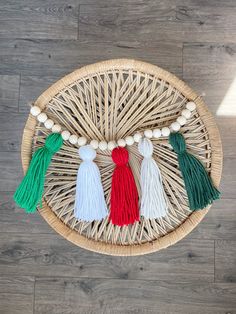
{"points": [[153, 203], [90, 203]]}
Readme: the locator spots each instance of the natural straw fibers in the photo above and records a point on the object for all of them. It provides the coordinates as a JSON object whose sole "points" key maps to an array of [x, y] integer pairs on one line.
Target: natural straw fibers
{"points": [[110, 100]]}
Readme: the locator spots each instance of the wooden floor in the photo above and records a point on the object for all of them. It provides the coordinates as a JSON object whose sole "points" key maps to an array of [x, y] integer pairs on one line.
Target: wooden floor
{"points": [[42, 40]]}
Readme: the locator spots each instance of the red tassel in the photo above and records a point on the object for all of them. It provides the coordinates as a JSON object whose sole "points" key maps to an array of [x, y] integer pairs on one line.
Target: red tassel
{"points": [[124, 194]]}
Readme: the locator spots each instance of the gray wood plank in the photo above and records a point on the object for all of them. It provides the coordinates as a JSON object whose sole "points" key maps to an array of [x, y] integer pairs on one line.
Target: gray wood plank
{"points": [[59, 57], [201, 3], [31, 88], [50, 255], [228, 135], [16, 294], [9, 93], [219, 223], [11, 130], [221, 109], [225, 261], [11, 170], [171, 20], [39, 19], [217, 92], [211, 61], [76, 295], [15, 220], [228, 183]]}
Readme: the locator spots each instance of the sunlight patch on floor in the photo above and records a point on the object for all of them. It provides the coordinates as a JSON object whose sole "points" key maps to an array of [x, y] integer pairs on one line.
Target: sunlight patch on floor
{"points": [[228, 104]]}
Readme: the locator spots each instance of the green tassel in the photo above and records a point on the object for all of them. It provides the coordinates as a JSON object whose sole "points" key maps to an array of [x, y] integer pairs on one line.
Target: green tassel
{"points": [[29, 192], [198, 184]]}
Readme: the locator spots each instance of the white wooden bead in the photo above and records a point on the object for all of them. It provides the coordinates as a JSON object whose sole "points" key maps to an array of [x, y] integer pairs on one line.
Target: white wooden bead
{"points": [[102, 145], [94, 144], [121, 142], [186, 113], [35, 111], [181, 120], [65, 135], [73, 139], [165, 131], [129, 140], [56, 128], [191, 106], [48, 124], [82, 141], [148, 133], [137, 137], [111, 145], [157, 133], [42, 117], [175, 126]]}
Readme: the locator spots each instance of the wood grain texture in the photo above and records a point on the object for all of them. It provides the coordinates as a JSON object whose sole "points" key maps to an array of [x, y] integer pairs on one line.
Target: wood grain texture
{"points": [[50, 255], [37, 46], [16, 294], [11, 131], [225, 261], [11, 171], [214, 89], [211, 61], [219, 223], [44, 57], [14, 219], [76, 295], [39, 19], [228, 182], [9, 93], [31, 88], [169, 20]]}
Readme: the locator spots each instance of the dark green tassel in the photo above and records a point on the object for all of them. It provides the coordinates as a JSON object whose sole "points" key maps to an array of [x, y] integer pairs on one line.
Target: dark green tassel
{"points": [[200, 189], [29, 192]]}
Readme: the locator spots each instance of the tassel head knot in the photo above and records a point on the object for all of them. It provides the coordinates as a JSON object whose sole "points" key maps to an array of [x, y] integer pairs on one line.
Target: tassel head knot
{"points": [[87, 153], [145, 148], [120, 156], [53, 142], [177, 141]]}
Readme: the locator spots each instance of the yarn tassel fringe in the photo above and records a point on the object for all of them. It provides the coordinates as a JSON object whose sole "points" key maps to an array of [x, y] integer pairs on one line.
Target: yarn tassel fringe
{"points": [[124, 194], [153, 202], [29, 192], [200, 189], [90, 203]]}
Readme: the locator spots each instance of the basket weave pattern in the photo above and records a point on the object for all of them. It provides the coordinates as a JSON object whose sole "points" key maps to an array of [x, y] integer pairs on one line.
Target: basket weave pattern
{"points": [[108, 101]]}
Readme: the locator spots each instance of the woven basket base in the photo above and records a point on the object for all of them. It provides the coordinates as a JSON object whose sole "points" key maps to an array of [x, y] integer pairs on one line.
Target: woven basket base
{"points": [[110, 100]]}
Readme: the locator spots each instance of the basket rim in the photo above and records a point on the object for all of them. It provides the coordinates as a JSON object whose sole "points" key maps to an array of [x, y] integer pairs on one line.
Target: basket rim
{"points": [[214, 136]]}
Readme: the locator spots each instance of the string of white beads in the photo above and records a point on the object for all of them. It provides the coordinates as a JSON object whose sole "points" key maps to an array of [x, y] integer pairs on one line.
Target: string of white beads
{"points": [[82, 141], [48, 124], [156, 133], [35, 111], [56, 128], [102, 145], [129, 140], [111, 145]]}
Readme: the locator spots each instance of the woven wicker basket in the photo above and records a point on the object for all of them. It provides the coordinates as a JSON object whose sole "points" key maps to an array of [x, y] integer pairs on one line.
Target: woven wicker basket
{"points": [[109, 100]]}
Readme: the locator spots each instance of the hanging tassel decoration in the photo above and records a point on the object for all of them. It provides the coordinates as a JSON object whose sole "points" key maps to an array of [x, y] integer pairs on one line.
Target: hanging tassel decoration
{"points": [[124, 194], [200, 189], [90, 203], [29, 192], [153, 202]]}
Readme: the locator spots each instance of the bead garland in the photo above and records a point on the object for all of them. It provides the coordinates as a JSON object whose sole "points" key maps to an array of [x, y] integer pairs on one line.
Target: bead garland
{"points": [[129, 140]]}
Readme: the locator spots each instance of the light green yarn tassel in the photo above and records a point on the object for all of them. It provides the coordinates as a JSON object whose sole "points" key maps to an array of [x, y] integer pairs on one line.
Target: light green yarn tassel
{"points": [[200, 189], [29, 192]]}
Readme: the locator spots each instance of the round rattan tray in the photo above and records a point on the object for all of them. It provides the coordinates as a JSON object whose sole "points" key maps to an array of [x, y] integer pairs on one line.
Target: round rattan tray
{"points": [[109, 100]]}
